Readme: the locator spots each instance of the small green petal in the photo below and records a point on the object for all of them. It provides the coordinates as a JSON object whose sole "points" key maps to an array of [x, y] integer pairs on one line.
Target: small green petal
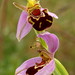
{"points": [[43, 43], [19, 6]]}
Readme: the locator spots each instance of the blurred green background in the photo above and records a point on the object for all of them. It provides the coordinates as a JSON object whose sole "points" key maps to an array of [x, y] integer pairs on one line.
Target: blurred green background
{"points": [[14, 53]]}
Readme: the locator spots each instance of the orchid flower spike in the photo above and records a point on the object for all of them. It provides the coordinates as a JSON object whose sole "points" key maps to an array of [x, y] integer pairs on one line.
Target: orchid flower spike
{"points": [[33, 16], [45, 64]]}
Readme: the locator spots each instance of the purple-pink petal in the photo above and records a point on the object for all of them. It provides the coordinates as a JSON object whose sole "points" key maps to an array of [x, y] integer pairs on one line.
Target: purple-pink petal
{"points": [[51, 40], [48, 69], [53, 15], [23, 26], [21, 73], [21, 70]]}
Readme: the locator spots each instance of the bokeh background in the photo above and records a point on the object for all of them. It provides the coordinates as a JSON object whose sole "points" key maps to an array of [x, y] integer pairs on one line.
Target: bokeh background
{"points": [[14, 53]]}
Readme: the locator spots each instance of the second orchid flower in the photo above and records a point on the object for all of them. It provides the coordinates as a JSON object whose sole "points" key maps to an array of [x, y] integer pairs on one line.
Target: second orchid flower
{"points": [[45, 64]]}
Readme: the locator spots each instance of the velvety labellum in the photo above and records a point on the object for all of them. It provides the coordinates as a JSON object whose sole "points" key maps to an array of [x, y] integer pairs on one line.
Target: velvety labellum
{"points": [[42, 22]]}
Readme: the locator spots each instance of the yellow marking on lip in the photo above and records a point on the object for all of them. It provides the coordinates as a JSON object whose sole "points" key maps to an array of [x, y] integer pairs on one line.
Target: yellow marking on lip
{"points": [[49, 21], [40, 24], [35, 67], [31, 21]]}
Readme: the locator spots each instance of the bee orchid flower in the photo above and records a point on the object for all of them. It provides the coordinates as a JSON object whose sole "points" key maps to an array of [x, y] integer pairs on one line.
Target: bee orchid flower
{"points": [[45, 64], [33, 16]]}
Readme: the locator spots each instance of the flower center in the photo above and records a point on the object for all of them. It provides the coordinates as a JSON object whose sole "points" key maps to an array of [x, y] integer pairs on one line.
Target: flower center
{"points": [[46, 58], [40, 19], [36, 12]]}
